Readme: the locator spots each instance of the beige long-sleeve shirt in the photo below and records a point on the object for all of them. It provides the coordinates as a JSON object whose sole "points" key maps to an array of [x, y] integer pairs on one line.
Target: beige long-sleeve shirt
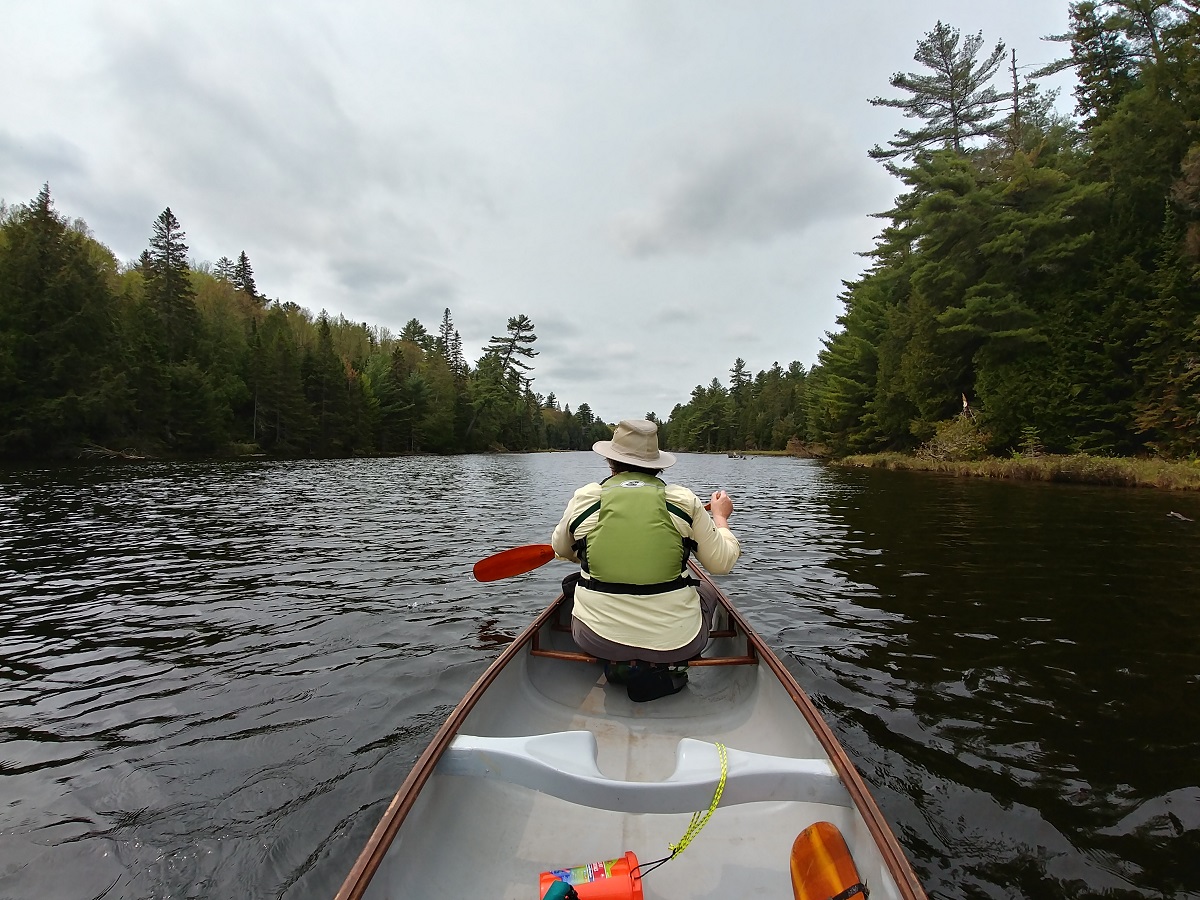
{"points": [[664, 621]]}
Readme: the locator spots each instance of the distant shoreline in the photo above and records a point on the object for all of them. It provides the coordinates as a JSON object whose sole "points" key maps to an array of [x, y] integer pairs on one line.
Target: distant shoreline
{"points": [[1076, 468]]}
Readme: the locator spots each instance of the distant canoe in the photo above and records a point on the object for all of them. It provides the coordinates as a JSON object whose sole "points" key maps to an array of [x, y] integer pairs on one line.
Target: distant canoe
{"points": [[545, 764]]}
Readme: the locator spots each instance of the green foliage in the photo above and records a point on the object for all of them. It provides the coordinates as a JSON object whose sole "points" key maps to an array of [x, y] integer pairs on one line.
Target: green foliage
{"points": [[164, 358], [513, 349], [243, 277], [955, 100], [1050, 275], [1046, 272], [1031, 443], [168, 288], [58, 384], [1075, 468], [955, 440], [1167, 410], [752, 414], [505, 413]]}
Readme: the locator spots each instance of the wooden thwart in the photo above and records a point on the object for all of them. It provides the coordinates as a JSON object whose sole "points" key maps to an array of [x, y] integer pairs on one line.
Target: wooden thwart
{"points": [[575, 656], [535, 649]]}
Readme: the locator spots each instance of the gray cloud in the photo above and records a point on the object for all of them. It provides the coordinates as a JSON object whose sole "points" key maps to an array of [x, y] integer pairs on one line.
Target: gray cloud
{"points": [[369, 274], [46, 158], [745, 180], [662, 187], [273, 151]]}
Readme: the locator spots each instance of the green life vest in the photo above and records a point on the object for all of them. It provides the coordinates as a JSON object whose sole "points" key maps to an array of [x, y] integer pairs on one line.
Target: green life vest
{"points": [[635, 547]]}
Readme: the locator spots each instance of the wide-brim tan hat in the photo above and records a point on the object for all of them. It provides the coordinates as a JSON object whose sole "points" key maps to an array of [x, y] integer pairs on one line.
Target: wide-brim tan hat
{"points": [[635, 441]]}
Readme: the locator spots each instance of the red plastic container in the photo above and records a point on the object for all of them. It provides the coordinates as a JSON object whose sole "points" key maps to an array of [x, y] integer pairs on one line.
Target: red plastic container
{"points": [[613, 879]]}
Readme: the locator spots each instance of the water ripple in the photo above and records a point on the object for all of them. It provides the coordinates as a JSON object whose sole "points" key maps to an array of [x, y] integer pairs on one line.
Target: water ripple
{"points": [[213, 676]]}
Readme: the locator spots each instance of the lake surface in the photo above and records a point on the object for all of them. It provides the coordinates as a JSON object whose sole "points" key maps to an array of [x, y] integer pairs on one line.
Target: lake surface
{"points": [[213, 677]]}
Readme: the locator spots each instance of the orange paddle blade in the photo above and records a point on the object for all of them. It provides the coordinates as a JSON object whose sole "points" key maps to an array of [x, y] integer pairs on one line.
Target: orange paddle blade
{"points": [[822, 867], [512, 562]]}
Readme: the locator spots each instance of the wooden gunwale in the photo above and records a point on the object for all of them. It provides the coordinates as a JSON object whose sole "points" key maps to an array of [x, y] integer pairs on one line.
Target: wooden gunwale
{"points": [[894, 859], [377, 846]]}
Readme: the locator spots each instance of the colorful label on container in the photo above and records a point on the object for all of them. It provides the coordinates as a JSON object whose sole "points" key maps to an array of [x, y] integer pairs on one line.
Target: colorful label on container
{"points": [[587, 873]]}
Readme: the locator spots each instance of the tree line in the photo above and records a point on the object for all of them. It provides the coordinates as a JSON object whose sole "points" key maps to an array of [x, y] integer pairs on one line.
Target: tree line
{"points": [[766, 412], [1038, 276], [1037, 281], [166, 357]]}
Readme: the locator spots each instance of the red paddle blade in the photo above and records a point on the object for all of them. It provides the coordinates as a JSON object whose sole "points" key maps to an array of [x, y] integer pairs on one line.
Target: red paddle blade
{"points": [[821, 864], [512, 562]]}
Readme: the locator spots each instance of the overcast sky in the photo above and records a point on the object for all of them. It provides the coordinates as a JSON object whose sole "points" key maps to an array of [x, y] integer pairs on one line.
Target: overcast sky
{"points": [[662, 186]]}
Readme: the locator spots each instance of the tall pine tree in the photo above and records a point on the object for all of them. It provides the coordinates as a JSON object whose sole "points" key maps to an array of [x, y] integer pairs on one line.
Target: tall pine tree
{"points": [[955, 102], [58, 385]]}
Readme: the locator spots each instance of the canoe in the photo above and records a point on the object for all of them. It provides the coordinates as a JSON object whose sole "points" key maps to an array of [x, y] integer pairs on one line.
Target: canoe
{"points": [[546, 767]]}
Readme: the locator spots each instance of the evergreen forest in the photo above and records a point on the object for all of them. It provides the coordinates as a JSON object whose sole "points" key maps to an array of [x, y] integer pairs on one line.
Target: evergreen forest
{"points": [[164, 357], [1036, 280], [1038, 277]]}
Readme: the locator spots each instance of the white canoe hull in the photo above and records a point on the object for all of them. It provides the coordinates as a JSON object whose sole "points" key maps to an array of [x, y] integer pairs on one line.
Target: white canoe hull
{"points": [[545, 765]]}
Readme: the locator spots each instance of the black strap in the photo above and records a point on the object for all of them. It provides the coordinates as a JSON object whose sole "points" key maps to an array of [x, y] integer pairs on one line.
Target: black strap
{"points": [[677, 511], [689, 547], [583, 515], [617, 587], [849, 892]]}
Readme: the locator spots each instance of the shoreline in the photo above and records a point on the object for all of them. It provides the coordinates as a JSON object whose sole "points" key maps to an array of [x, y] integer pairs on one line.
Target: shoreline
{"points": [[1076, 468]]}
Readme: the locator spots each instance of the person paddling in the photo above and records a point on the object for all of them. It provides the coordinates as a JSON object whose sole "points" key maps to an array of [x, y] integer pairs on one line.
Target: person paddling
{"points": [[635, 603]]}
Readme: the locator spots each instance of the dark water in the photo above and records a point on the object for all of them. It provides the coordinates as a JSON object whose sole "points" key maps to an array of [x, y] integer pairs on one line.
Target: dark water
{"points": [[213, 677]]}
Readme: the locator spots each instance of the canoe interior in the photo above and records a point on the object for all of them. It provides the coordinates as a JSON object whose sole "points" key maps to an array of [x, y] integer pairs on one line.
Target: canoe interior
{"points": [[482, 836]]}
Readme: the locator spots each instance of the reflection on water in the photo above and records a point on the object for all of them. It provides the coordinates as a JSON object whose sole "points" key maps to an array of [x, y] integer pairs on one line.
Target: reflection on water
{"points": [[213, 677], [1015, 669]]}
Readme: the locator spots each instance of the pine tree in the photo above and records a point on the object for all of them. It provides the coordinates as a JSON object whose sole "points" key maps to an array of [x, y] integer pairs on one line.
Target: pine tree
{"points": [[58, 387], [224, 270], [282, 420], [449, 345], [436, 429], [514, 349], [243, 276], [325, 385], [1114, 43], [739, 378], [740, 398], [445, 335], [584, 416], [416, 333], [956, 102], [458, 362], [1168, 358], [169, 286]]}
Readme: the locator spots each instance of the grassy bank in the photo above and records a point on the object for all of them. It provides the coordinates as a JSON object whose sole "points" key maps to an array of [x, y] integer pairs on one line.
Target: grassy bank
{"points": [[1078, 468]]}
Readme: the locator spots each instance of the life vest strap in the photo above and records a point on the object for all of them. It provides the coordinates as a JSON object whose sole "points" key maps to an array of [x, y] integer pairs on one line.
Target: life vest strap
{"points": [[616, 587]]}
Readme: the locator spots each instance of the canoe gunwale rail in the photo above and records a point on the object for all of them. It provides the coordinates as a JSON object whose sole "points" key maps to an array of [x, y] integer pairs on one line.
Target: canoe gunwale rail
{"points": [[469, 754]]}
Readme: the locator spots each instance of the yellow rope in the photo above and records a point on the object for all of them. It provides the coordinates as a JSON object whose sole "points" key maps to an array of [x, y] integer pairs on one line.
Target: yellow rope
{"points": [[699, 820]]}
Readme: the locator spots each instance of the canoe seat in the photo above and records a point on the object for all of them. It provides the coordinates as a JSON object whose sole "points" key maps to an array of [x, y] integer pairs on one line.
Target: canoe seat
{"points": [[563, 765]]}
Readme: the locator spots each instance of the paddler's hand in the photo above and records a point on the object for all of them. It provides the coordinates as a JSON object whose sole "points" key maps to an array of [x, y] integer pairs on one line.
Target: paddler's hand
{"points": [[721, 507]]}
